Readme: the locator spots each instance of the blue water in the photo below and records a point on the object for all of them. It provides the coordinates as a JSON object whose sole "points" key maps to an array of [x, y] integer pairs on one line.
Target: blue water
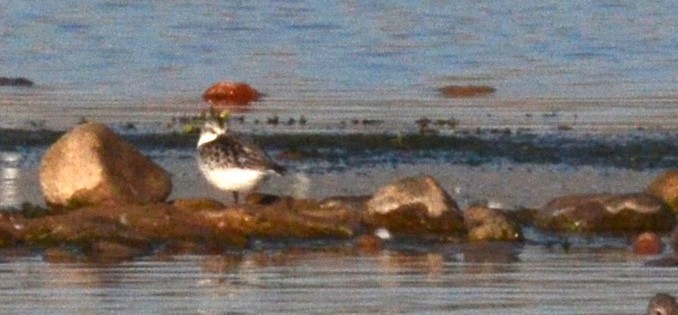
{"points": [[593, 64], [98, 57]]}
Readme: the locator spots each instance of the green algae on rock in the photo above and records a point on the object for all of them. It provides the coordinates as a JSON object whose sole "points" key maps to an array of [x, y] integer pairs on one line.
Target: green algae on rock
{"points": [[665, 187], [606, 213]]}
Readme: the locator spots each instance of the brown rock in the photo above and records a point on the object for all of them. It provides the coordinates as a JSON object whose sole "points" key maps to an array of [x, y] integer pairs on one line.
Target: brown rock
{"points": [[665, 187], [4, 81], [419, 192], [486, 224], [662, 304], [414, 221], [197, 204], [368, 243], [466, 90], [92, 165], [674, 239], [225, 93], [606, 213]]}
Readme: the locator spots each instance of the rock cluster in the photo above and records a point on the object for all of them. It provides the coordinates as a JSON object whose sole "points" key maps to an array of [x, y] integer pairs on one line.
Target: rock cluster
{"points": [[112, 202]]}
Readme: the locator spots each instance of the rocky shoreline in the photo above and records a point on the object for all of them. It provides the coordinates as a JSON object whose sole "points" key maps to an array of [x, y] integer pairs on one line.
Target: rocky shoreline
{"points": [[99, 213]]}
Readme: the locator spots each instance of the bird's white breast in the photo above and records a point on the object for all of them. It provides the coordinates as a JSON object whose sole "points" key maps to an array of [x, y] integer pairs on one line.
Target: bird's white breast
{"points": [[233, 179]]}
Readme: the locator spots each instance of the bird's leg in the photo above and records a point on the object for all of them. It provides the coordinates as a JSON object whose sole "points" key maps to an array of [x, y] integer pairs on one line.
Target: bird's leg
{"points": [[235, 197]]}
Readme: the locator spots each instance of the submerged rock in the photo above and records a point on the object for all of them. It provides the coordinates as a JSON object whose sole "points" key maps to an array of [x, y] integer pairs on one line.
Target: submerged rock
{"points": [[606, 213], [5, 81], [225, 93], [91, 165], [111, 232], [665, 187], [486, 224], [422, 192]]}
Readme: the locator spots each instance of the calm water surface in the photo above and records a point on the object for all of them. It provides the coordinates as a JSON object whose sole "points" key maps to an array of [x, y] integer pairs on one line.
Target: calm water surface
{"points": [[446, 279], [603, 66], [612, 62]]}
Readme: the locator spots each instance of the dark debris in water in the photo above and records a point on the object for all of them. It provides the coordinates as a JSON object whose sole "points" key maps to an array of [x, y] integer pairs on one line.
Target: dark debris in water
{"points": [[634, 150]]}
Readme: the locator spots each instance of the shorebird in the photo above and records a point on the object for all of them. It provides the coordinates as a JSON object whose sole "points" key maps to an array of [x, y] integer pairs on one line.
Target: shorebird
{"points": [[662, 304], [229, 163]]}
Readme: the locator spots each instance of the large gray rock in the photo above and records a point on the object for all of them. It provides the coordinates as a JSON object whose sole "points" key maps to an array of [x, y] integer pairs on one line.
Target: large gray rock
{"points": [[91, 165], [606, 213], [423, 191]]}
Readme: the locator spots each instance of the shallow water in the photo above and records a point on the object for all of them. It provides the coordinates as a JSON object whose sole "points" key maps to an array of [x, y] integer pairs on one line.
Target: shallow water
{"points": [[440, 279], [597, 67]]}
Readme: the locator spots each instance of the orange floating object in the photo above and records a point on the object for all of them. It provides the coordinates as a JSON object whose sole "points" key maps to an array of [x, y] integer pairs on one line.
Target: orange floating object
{"points": [[224, 93], [648, 243], [466, 90]]}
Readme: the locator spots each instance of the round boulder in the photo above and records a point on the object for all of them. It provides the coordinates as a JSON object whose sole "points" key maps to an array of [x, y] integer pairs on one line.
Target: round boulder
{"points": [[665, 187], [485, 224], [91, 165], [606, 213]]}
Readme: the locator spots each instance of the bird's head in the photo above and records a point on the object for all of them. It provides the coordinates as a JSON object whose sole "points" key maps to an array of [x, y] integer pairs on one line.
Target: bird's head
{"points": [[211, 130]]}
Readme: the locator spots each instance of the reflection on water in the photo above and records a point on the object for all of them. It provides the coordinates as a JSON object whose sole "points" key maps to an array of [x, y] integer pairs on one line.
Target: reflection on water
{"points": [[119, 60], [9, 175], [18, 179], [514, 280]]}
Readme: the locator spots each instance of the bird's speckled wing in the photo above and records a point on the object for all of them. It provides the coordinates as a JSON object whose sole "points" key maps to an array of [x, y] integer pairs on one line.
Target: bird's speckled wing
{"points": [[227, 151]]}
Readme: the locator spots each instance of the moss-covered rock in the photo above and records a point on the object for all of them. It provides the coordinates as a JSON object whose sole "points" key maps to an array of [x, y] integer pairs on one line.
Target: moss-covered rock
{"points": [[665, 187], [606, 213], [486, 224]]}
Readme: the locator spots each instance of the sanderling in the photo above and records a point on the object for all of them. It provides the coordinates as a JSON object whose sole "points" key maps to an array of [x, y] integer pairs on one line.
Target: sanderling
{"points": [[230, 164]]}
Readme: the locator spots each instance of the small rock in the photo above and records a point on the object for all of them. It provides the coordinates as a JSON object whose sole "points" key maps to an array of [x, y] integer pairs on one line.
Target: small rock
{"points": [[412, 191], [648, 243], [368, 243], [93, 165], [665, 187], [224, 93], [486, 224], [4, 81], [662, 304], [466, 90], [606, 213]]}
